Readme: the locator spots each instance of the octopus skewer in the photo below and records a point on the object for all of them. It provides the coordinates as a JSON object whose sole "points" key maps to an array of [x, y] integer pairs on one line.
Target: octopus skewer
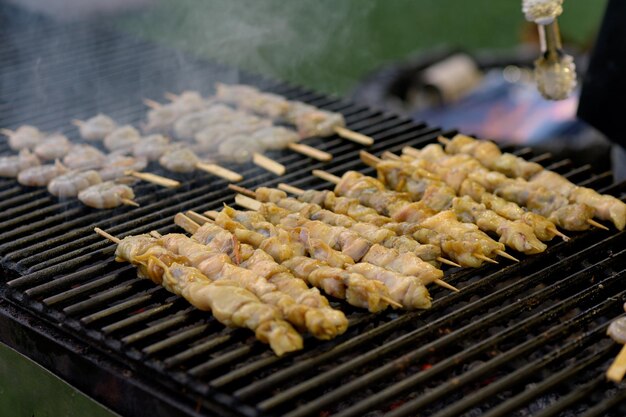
{"points": [[399, 207], [354, 288], [437, 195], [605, 207], [230, 304]]}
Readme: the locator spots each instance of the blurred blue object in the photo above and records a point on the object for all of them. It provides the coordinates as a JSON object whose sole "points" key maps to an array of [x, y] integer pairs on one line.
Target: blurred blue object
{"points": [[507, 108]]}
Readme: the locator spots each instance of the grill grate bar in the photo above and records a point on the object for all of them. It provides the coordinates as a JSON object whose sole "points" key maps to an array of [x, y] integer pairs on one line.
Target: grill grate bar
{"points": [[175, 339], [136, 318], [166, 324], [505, 409], [412, 357], [198, 349]]}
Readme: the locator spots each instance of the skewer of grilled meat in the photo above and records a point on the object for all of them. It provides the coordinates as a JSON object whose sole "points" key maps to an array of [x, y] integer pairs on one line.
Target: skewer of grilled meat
{"points": [[432, 242], [386, 250], [264, 265], [323, 269], [370, 231], [229, 303], [414, 294], [309, 120], [605, 207], [454, 170], [354, 288], [556, 208], [400, 176], [210, 261], [462, 240]]}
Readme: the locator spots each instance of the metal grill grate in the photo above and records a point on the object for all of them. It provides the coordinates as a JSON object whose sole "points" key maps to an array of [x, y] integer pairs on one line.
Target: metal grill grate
{"points": [[526, 338]]}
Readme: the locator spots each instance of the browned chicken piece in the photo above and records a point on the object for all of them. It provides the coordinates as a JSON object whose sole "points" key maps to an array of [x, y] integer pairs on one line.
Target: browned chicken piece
{"points": [[355, 184], [516, 235], [543, 228], [554, 207], [216, 264], [259, 261], [229, 303], [287, 251], [606, 207], [489, 155], [403, 176], [353, 245], [408, 291]]}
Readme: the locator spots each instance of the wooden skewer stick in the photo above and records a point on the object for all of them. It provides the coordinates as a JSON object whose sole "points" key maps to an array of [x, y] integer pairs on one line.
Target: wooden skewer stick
{"points": [[390, 156], [353, 136], [443, 140], [506, 255], [7, 132], [170, 96], [128, 202], [211, 214], [197, 217], [558, 233], [617, 369], [326, 176], [190, 226], [268, 164], [290, 189], [153, 178], [219, 171], [596, 224], [484, 258], [106, 235], [310, 151], [251, 204], [156, 234], [411, 151], [152, 104], [369, 159], [242, 190], [298, 191], [77, 122]]}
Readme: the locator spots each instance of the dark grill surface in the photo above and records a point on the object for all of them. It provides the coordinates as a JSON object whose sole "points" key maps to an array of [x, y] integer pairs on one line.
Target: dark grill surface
{"points": [[519, 339]]}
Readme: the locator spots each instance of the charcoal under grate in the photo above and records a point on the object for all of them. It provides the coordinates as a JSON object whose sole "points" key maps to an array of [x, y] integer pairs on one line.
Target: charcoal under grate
{"points": [[519, 339]]}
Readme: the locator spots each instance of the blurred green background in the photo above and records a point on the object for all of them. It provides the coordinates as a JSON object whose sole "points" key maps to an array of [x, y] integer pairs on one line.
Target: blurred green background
{"points": [[330, 45]]}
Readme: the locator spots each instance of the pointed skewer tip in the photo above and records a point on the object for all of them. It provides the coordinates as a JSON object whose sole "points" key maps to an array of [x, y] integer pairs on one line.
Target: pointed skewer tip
{"points": [[448, 262], [444, 284], [242, 190], [596, 224], [484, 258], [106, 235], [506, 255], [290, 189]]}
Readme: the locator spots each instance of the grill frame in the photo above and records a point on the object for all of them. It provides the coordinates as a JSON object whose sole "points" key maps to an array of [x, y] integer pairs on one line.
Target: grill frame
{"points": [[52, 301]]}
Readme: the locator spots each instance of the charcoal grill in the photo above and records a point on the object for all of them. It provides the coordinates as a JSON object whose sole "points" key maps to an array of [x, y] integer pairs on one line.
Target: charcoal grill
{"points": [[519, 339]]}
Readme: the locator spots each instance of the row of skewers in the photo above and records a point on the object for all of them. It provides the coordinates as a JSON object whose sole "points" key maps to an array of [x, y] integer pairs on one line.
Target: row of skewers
{"points": [[374, 243], [225, 133]]}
